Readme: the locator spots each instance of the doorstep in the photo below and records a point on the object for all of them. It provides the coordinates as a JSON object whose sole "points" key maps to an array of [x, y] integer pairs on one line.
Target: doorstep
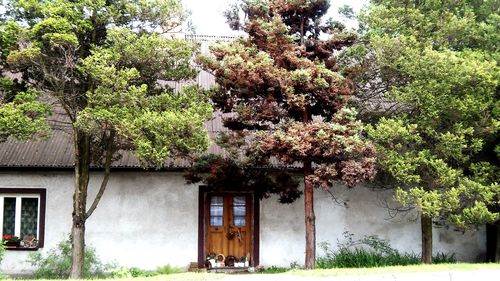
{"points": [[228, 269]]}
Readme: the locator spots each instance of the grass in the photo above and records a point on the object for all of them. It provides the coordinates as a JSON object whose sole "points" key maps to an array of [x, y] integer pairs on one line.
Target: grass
{"points": [[187, 276], [322, 272], [395, 269]]}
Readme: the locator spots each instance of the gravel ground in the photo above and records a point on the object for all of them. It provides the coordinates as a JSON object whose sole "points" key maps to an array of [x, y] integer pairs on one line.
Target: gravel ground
{"points": [[454, 275]]}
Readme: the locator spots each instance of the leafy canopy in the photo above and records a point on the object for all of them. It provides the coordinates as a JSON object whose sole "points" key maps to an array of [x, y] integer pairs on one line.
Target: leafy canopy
{"points": [[437, 62], [282, 94], [107, 64]]}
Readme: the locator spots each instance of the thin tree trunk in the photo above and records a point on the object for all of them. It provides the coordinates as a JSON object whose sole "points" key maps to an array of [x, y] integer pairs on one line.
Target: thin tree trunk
{"points": [[426, 227], [82, 165], [107, 172], [497, 248], [492, 243], [310, 218]]}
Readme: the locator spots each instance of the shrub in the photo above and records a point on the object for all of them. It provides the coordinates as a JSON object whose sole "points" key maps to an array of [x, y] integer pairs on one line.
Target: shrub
{"points": [[2, 252], [275, 269], [128, 272], [370, 251], [57, 263], [168, 269]]}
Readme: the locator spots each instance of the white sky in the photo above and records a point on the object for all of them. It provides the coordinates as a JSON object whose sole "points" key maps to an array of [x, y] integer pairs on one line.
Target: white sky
{"points": [[207, 17]]}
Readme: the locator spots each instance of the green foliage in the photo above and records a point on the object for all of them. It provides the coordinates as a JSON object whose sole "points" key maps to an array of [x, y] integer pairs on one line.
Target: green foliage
{"points": [[218, 173], [106, 77], [448, 24], [168, 269], [128, 272], [2, 252], [110, 69], [436, 69], [56, 264], [24, 116], [369, 251], [275, 270]]}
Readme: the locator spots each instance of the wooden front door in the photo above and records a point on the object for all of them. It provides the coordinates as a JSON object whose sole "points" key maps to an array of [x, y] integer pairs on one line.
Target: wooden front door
{"points": [[229, 227]]}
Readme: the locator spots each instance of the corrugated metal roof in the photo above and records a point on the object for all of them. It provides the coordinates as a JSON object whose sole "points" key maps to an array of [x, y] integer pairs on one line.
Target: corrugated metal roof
{"points": [[57, 150]]}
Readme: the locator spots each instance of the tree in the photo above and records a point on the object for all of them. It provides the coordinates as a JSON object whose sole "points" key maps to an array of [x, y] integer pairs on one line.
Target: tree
{"points": [[284, 95], [103, 63], [433, 67], [21, 114]]}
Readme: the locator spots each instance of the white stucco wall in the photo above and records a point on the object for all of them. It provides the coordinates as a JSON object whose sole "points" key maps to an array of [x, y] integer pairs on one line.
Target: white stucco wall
{"points": [[144, 219], [283, 227], [150, 219]]}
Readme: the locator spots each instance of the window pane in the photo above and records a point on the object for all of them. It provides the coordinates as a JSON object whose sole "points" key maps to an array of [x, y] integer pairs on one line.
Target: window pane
{"points": [[239, 200], [216, 221], [239, 210], [29, 216], [216, 211], [9, 215], [239, 221]]}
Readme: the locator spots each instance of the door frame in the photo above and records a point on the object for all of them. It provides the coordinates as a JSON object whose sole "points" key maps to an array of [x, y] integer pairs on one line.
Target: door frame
{"points": [[204, 191]]}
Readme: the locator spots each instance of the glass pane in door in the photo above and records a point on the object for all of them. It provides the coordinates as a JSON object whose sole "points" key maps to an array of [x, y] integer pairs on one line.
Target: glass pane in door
{"points": [[216, 211], [239, 210]]}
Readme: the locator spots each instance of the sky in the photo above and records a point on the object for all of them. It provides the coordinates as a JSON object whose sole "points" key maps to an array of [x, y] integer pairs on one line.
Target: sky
{"points": [[207, 17]]}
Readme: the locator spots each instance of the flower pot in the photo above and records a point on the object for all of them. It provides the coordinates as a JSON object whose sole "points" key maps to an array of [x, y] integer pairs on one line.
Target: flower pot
{"points": [[12, 244]]}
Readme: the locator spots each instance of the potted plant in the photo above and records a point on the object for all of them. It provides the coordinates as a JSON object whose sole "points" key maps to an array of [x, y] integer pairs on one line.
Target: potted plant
{"points": [[11, 241]]}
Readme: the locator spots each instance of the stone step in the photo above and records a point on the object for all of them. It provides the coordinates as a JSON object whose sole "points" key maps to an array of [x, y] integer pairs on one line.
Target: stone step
{"points": [[229, 270]]}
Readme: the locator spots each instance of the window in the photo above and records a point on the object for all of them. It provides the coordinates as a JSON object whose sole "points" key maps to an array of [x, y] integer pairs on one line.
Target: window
{"points": [[22, 215], [239, 210], [217, 211]]}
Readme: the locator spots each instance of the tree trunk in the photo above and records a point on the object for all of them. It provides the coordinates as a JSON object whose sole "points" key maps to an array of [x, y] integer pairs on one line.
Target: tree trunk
{"points": [[497, 245], [492, 243], [426, 227], [82, 165], [310, 219]]}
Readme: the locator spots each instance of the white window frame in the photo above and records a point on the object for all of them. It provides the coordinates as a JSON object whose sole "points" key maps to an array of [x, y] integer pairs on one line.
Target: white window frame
{"points": [[25, 192], [17, 224]]}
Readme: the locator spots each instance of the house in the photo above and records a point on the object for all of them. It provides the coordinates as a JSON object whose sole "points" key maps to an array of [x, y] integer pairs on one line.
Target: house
{"points": [[150, 218]]}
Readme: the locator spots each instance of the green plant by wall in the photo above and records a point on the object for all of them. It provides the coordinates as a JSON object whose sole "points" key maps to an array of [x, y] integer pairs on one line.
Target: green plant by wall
{"points": [[168, 269], [130, 272], [369, 251], [2, 253], [275, 269], [56, 264]]}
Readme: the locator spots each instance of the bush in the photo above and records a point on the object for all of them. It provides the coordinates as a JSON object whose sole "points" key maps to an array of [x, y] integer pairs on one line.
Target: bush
{"points": [[128, 272], [278, 269], [370, 251], [2, 253], [57, 263], [167, 269], [275, 269]]}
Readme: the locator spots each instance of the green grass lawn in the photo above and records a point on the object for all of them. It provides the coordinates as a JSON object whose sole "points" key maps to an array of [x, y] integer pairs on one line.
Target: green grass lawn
{"points": [[395, 269], [324, 272]]}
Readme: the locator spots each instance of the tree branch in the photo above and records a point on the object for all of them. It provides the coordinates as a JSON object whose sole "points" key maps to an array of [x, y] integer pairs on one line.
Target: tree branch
{"points": [[107, 173]]}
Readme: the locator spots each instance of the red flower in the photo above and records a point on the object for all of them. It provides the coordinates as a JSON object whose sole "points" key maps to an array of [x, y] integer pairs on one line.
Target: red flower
{"points": [[7, 237]]}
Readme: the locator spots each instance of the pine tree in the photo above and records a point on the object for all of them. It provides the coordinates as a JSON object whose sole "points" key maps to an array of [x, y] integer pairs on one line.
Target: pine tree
{"points": [[283, 93]]}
